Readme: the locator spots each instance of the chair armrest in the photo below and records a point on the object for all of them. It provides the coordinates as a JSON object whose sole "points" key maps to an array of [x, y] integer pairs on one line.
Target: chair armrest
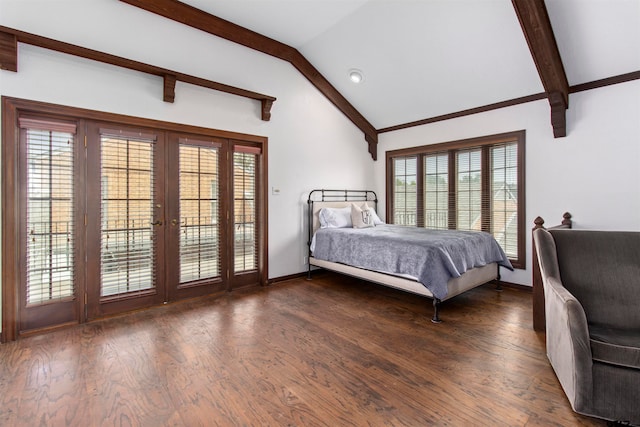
{"points": [[568, 345]]}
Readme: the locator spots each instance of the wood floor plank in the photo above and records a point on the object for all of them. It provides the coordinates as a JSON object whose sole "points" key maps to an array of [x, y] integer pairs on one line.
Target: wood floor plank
{"points": [[333, 351]]}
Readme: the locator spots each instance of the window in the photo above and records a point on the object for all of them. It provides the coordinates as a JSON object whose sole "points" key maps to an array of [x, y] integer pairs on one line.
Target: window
{"points": [[199, 201], [49, 205], [474, 184], [436, 191], [405, 196], [127, 242], [244, 208]]}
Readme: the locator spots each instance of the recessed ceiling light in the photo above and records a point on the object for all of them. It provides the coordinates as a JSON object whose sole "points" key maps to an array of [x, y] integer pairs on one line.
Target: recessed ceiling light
{"points": [[356, 76]]}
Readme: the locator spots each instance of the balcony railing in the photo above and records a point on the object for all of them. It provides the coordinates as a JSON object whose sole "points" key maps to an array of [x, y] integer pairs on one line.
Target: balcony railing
{"points": [[127, 255]]}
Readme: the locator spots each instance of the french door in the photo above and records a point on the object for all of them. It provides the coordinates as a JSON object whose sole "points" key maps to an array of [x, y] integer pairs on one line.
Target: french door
{"points": [[214, 215], [114, 217], [175, 216], [196, 229], [125, 210]]}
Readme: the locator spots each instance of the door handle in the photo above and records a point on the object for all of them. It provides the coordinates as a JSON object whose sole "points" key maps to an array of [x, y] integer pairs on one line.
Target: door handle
{"points": [[174, 222], [157, 222]]}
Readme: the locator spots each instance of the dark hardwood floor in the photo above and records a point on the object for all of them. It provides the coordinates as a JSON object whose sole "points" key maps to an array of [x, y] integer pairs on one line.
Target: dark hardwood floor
{"points": [[333, 351]]}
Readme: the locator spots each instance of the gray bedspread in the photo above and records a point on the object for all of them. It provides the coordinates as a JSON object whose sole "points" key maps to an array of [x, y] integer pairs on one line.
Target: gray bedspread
{"points": [[431, 256]]}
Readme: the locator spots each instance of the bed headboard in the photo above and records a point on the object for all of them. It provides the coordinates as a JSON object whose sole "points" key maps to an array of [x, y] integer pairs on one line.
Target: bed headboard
{"points": [[539, 318], [319, 199]]}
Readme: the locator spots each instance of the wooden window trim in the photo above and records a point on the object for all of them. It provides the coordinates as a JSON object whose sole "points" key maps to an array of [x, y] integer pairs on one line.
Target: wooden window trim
{"points": [[485, 142]]}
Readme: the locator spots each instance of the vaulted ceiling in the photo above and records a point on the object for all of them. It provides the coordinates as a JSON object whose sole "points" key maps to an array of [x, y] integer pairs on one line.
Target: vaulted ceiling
{"points": [[427, 58], [419, 58]]}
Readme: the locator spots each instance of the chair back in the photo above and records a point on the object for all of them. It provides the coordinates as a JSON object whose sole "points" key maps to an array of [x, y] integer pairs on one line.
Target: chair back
{"points": [[602, 270]]}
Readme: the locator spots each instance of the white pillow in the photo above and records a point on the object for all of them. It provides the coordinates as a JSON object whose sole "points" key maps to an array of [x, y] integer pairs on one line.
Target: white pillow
{"points": [[361, 217], [335, 217]]}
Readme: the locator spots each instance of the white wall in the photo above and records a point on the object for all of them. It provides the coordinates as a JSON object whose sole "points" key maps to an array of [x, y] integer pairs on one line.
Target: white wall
{"points": [[594, 172], [311, 143]]}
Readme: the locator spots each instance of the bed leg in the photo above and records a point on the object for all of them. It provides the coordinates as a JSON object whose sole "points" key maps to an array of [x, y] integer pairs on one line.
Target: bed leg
{"points": [[436, 311], [498, 287]]}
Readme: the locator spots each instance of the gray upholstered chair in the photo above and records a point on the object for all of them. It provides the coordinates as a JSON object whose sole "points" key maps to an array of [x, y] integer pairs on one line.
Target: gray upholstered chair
{"points": [[591, 284]]}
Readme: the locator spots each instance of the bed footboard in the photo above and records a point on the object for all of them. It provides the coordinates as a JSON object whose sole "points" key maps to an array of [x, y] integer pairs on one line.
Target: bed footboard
{"points": [[458, 285]]}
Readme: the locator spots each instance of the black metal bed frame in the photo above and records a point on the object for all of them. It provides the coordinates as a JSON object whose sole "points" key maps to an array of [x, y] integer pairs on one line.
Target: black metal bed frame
{"points": [[324, 195]]}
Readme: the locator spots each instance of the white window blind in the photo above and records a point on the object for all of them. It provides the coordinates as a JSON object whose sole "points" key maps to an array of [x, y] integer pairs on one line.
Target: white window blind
{"points": [[244, 208], [199, 211], [405, 195], [50, 220], [504, 196], [436, 191], [469, 189], [127, 198]]}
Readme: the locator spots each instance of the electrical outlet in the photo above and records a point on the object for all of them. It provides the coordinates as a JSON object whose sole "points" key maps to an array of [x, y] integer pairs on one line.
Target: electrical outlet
{"points": [[305, 260]]}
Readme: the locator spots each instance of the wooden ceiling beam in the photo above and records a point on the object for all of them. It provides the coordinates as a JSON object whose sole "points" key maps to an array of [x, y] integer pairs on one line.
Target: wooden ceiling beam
{"points": [[537, 30], [196, 18], [169, 92], [9, 38], [8, 52]]}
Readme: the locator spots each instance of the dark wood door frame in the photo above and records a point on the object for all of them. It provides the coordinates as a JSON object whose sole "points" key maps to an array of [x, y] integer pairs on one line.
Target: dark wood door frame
{"points": [[11, 258]]}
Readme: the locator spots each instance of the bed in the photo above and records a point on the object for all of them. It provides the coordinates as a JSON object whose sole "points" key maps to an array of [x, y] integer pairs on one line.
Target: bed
{"points": [[394, 255]]}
